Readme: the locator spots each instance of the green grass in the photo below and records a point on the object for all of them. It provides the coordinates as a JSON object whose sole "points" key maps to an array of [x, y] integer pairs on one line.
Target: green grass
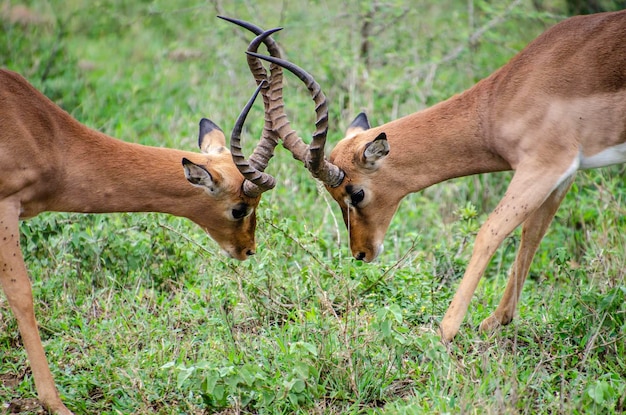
{"points": [[140, 314]]}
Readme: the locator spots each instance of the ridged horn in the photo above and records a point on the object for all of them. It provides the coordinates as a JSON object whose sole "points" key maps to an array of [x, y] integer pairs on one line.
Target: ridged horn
{"points": [[312, 155], [269, 139], [256, 181]]}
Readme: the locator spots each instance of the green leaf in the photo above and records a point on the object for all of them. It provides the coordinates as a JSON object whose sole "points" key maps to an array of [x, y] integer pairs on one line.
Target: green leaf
{"points": [[396, 312], [299, 345], [298, 386], [183, 375], [599, 392], [210, 381]]}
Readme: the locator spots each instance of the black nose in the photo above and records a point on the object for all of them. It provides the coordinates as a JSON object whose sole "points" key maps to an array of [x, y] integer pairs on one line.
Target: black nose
{"points": [[250, 252], [360, 256]]}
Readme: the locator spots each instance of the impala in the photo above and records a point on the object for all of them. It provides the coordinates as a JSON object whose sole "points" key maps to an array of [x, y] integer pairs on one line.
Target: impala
{"points": [[557, 107], [51, 162]]}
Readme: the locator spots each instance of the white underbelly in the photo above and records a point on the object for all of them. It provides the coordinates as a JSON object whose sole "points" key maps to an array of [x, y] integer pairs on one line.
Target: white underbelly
{"points": [[612, 155]]}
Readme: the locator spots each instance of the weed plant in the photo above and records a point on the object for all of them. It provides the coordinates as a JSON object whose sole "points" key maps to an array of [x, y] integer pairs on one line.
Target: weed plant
{"points": [[140, 314]]}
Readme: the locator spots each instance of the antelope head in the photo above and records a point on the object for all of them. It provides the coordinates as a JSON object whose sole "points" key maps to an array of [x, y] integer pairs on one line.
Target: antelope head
{"points": [[354, 172], [370, 192]]}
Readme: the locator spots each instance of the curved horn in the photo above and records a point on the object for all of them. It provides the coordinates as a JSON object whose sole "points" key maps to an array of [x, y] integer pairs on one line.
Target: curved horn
{"points": [[256, 181], [269, 139], [313, 155], [271, 93], [262, 37]]}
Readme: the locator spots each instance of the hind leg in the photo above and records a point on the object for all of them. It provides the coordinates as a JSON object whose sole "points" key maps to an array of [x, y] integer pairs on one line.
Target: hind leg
{"points": [[531, 186], [533, 230]]}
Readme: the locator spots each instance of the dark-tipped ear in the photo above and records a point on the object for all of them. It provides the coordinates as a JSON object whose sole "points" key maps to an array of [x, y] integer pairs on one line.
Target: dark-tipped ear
{"points": [[375, 150], [198, 175], [211, 136], [360, 123]]}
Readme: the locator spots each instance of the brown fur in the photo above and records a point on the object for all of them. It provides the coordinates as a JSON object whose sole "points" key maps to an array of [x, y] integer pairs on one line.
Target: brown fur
{"points": [[545, 114], [51, 162]]}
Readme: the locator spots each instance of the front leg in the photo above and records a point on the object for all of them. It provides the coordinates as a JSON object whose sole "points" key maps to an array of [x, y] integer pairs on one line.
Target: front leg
{"points": [[17, 288], [528, 190]]}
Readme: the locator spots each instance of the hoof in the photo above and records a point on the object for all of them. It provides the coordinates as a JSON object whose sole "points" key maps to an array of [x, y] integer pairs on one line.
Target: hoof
{"points": [[447, 334], [492, 323]]}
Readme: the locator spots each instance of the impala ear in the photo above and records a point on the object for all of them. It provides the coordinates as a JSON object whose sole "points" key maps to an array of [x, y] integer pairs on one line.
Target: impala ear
{"points": [[360, 123], [211, 138], [199, 176], [375, 151]]}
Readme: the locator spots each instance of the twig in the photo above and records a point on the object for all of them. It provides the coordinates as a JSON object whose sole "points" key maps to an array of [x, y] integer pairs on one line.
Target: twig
{"points": [[479, 33], [220, 11], [305, 249], [54, 50], [324, 194], [589, 346], [186, 238], [394, 266], [391, 22], [473, 38]]}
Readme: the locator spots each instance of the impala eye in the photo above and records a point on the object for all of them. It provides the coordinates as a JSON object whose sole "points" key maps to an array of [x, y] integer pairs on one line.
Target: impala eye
{"points": [[241, 211], [357, 197]]}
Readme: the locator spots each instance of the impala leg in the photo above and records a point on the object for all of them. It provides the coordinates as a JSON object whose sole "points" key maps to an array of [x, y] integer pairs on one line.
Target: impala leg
{"points": [[528, 190], [17, 288], [533, 230]]}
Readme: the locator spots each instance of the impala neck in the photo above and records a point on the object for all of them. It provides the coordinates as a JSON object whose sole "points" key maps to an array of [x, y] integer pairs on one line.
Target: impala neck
{"points": [[99, 174], [445, 141]]}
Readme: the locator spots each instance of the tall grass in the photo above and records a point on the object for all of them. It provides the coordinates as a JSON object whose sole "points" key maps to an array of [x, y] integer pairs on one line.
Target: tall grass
{"points": [[140, 314]]}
